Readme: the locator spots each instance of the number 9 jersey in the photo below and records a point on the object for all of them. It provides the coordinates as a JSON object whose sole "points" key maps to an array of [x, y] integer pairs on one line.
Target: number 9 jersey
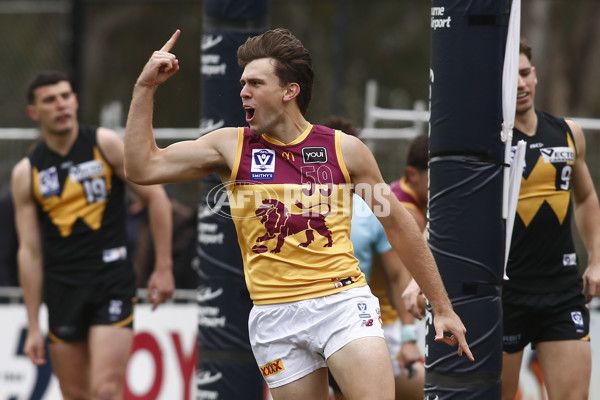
{"points": [[542, 257]]}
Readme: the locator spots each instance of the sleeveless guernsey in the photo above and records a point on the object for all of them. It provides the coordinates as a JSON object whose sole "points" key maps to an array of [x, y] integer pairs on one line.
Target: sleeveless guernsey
{"points": [[406, 195], [291, 205], [81, 205], [542, 257]]}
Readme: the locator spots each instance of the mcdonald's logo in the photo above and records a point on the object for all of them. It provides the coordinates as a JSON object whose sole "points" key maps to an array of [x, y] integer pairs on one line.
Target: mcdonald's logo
{"points": [[288, 155]]}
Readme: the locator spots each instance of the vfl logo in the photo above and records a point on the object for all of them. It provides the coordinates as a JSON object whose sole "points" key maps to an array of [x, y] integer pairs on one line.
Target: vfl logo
{"points": [[48, 182], [263, 164], [280, 223], [114, 309], [362, 311], [569, 260], [272, 368], [313, 155], [577, 319]]}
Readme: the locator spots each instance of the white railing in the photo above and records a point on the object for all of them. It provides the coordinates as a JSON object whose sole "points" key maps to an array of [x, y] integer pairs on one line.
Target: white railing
{"points": [[419, 116], [15, 295]]}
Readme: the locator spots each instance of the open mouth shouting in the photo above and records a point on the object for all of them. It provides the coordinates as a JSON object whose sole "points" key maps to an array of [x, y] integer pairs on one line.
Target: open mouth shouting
{"points": [[249, 113]]}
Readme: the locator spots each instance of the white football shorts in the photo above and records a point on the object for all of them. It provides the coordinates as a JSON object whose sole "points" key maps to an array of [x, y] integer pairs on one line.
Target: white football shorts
{"points": [[291, 340], [394, 343]]}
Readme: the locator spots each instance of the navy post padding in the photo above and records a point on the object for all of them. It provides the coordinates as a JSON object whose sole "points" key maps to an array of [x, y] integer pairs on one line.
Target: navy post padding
{"points": [[466, 229]]}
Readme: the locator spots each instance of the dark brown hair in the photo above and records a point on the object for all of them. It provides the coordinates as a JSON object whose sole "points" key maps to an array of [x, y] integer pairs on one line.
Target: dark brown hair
{"points": [[44, 78], [418, 152], [525, 48], [342, 124], [293, 63]]}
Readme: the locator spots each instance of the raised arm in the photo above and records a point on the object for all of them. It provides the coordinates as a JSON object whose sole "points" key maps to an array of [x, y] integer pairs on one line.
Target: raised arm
{"points": [[406, 238], [145, 162], [587, 214], [31, 273]]}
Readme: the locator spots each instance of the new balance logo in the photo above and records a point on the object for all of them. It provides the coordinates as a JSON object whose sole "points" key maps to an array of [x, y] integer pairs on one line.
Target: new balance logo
{"points": [[272, 368]]}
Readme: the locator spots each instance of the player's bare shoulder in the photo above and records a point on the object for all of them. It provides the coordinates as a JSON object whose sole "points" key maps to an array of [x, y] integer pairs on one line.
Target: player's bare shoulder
{"points": [[578, 135], [111, 144], [21, 178], [224, 141], [355, 153]]}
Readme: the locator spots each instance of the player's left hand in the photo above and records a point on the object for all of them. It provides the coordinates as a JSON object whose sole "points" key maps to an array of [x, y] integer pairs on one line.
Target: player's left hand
{"points": [[409, 353], [162, 64], [452, 324], [591, 281], [161, 286]]}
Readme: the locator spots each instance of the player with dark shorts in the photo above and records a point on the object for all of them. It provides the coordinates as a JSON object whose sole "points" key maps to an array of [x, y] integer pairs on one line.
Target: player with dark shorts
{"points": [[70, 212], [534, 318], [544, 295], [72, 309]]}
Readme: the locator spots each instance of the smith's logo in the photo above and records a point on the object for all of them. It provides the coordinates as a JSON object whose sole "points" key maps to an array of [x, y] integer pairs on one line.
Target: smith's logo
{"points": [[263, 164], [272, 368], [288, 155], [313, 155]]}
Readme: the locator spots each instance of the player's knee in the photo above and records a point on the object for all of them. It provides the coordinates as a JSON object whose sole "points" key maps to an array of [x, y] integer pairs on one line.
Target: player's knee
{"points": [[73, 392], [108, 390]]}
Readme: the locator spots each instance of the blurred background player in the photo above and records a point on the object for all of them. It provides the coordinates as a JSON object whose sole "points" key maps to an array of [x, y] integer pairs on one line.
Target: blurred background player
{"points": [[386, 274], [544, 299], [69, 197]]}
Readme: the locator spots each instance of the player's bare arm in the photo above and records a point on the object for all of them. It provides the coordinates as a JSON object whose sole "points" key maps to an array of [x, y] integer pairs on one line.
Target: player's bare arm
{"points": [[31, 273], [161, 283], [406, 238], [145, 162], [587, 213]]}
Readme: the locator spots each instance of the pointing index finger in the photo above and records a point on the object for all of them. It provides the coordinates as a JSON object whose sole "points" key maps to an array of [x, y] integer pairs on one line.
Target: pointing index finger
{"points": [[463, 347], [171, 42]]}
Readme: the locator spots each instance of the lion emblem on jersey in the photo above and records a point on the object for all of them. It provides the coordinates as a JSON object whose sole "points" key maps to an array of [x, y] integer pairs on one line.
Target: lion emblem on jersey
{"points": [[281, 223]]}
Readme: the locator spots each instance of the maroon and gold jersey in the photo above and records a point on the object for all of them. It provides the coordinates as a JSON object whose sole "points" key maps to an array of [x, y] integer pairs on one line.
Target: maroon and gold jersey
{"points": [[292, 205], [406, 195]]}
